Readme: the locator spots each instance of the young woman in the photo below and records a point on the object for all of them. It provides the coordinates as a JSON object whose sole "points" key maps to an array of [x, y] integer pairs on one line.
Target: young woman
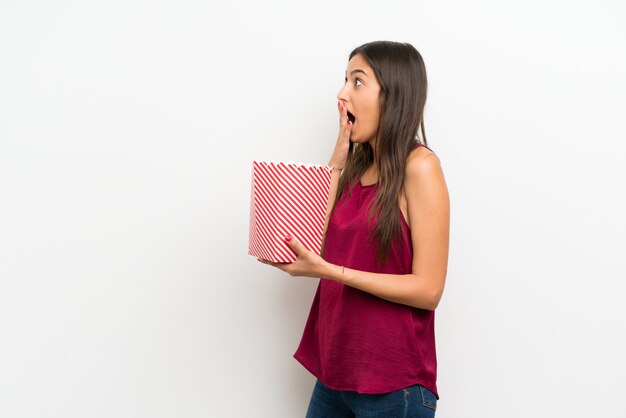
{"points": [[370, 338]]}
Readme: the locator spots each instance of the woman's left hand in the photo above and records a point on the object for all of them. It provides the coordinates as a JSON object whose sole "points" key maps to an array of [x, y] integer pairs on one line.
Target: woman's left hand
{"points": [[307, 263]]}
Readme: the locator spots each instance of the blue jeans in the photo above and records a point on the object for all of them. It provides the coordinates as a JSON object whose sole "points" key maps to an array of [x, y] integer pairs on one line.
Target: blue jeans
{"points": [[413, 402]]}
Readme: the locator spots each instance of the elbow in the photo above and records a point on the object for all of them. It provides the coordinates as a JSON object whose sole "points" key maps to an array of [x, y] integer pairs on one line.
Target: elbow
{"points": [[434, 292], [427, 294], [431, 301]]}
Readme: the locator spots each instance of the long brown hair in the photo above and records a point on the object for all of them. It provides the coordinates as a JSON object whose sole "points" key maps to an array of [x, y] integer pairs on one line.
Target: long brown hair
{"points": [[401, 73]]}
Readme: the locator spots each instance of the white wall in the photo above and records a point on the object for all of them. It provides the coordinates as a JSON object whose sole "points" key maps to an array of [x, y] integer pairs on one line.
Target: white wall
{"points": [[127, 131]]}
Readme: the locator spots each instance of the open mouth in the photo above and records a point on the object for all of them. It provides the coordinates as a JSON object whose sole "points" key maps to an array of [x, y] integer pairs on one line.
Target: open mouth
{"points": [[351, 117]]}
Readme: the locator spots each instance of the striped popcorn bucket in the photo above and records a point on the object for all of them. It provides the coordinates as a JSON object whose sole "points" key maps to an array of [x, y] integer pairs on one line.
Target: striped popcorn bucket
{"points": [[287, 199]]}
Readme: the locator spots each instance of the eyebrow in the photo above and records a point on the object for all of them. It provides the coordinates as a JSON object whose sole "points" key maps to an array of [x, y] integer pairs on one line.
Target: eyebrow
{"points": [[358, 70]]}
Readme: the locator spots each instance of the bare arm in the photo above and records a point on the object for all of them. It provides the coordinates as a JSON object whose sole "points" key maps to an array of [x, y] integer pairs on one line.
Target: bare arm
{"points": [[429, 217], [338, 158]]}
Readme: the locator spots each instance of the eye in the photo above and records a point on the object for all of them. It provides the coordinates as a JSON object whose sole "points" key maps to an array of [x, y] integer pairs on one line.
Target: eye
{"points": [[358, 82]]}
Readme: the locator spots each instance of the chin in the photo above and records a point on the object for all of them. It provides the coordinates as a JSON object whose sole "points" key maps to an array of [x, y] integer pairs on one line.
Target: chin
{"points": [[358, 140]]}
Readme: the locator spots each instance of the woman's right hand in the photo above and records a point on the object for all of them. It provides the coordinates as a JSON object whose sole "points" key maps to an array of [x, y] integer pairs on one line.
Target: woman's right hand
{"points": [[340, 154]]}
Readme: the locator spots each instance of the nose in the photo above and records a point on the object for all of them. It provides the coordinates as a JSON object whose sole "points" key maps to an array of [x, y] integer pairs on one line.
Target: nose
{"points": [[343, 93]]}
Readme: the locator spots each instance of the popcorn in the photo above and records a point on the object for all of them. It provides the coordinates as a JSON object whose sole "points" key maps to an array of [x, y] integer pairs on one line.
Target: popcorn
{"points": [[287, 198]]}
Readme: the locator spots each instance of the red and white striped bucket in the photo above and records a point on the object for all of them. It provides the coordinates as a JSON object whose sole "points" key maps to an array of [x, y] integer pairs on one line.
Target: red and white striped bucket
{"points": [[287, 199]]}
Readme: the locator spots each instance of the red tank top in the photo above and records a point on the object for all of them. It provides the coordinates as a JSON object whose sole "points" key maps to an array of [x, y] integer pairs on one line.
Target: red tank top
{"points": [[352, 339]]}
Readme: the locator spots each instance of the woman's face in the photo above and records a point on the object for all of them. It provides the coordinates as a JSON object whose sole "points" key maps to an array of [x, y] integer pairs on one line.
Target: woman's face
{"points": [[360, 97]]}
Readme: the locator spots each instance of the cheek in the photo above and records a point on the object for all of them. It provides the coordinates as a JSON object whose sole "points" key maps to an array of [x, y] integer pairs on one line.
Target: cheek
{"points": [[373, 115], [373, 109]]}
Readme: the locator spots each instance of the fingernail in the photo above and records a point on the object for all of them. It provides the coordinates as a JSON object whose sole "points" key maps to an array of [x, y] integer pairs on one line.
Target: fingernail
{"points": [[287, 238]]}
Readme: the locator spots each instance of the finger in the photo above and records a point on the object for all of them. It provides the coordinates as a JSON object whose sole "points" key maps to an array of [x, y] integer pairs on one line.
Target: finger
{"points": [[262, 261], [345, 132], [271, 263], [345, 125], [340, 110], [344, 116], [285, 267], [295, 245]]}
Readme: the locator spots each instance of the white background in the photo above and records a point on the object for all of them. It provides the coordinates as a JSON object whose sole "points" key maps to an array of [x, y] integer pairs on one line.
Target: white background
{"points": [[127, 131]]}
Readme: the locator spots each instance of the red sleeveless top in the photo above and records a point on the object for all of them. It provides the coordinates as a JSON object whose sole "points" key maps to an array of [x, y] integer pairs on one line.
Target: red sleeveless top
{"points": [[354, 340]]}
